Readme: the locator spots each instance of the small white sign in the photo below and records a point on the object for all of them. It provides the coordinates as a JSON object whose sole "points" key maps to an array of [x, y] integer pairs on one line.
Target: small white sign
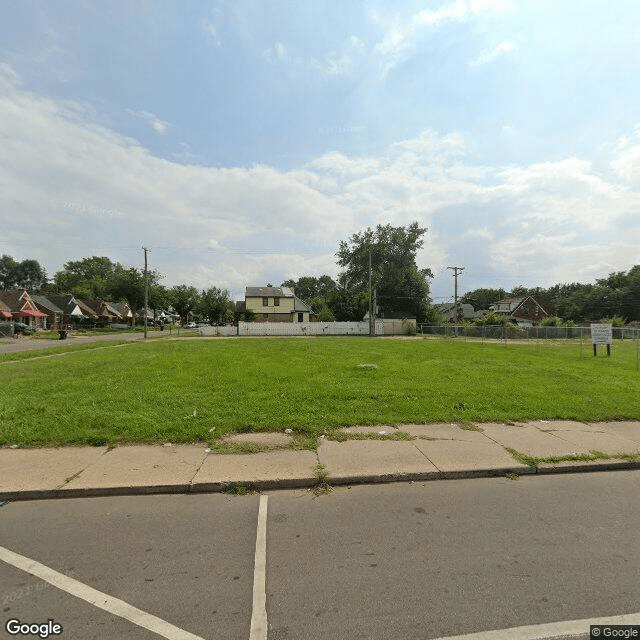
{"points": [[601, 333]]}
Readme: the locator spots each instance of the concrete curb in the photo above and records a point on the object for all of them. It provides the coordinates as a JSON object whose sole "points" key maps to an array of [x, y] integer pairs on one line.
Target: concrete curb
{"points": [[308, 482]]}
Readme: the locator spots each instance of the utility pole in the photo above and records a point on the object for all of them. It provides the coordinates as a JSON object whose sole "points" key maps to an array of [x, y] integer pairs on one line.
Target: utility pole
{"points": [[146, 291], [456, 270], [371, 322]]}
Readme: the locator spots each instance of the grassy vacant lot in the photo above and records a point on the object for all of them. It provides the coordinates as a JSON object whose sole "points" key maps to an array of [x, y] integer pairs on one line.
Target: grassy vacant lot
{"points": [[199, 390]]}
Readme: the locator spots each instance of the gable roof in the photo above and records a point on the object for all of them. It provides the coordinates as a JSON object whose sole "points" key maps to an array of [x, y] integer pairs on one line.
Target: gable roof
{"points": [[278, 292], [86, 309], [67, 304], [42, 301], [16, 299]]}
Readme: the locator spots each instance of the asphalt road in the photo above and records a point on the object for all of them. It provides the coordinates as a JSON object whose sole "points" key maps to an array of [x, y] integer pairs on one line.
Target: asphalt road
{"points": [[406, 561], [11, 345]]}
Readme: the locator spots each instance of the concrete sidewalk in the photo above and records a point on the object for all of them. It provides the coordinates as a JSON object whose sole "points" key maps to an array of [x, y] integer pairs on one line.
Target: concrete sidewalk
{"points": [[435, 451]]}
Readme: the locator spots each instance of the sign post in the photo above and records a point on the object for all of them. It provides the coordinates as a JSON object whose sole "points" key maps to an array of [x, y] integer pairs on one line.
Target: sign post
{"points": [[601, 334]]}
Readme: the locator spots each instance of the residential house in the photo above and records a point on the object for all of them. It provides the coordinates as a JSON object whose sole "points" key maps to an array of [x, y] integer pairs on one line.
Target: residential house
{"points": [[465, 311], [276, 304], [105, 313], [23, 308], [55, 315], [5, 312], [525, 311], [125, 312], [72, 312]]}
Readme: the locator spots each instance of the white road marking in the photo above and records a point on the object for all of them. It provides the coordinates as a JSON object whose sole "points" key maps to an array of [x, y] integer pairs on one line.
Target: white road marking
{"points": [[259, 613], [96, 598], [550, 631]]}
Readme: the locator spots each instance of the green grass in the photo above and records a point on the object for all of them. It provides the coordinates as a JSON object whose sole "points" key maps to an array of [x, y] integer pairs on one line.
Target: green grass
{"points": [[147, 392], [51, 351]]}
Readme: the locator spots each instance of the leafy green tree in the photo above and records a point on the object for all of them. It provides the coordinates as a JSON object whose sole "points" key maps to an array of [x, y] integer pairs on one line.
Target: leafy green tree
{"points": [[184, 300], [8, 272], [492, 319], [402, 289], [87, 278], [308, 287], [483, 298], [28, 274], [129, 284], [216, 305]]}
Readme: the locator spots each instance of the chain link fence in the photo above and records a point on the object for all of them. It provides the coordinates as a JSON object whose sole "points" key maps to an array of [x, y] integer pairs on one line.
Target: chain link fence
{"points": [[513, 332]]}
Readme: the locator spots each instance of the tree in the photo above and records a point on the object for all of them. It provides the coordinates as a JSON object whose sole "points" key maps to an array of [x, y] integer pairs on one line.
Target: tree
{"points": [[402, 289], [128, 285], [183, 299], [216, 305], [308, 287], [87, 278], [8, 272], [483, 298], [27, 274]]}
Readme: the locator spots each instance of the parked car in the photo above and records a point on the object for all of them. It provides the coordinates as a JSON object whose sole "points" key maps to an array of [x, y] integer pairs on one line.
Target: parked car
{"points": [[21, 327], [190, 325]]}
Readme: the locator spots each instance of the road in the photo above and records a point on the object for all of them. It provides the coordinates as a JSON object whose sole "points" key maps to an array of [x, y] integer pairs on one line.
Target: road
{"points": [[406, 561], [11, 345]]}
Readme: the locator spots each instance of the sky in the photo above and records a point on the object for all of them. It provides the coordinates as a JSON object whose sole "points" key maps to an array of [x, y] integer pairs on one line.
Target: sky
{"points": [[240, 141]]}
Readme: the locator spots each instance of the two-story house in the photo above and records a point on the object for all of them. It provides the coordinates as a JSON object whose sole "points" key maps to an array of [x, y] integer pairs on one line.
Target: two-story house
{"points": [[276, 304]]}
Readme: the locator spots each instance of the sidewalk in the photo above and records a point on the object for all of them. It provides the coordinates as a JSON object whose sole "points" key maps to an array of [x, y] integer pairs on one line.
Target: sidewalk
{"points": [[437, 451]]}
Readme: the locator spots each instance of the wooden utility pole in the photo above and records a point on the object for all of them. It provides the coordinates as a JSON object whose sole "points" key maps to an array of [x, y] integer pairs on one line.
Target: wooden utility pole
{"points": [[371, 322], [146, 291], [456, 270]]}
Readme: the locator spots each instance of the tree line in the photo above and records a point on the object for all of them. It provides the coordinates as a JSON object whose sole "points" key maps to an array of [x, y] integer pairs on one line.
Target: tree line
{"points": [[380, 260]]}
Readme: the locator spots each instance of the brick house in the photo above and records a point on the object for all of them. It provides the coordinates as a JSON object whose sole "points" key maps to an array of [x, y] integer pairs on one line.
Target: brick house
{"points": [[525, 311], [55, 315], [23, 308]]}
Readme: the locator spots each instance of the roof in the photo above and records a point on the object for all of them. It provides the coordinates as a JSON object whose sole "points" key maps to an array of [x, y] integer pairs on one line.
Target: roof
{"points": [[85, 308], [277, 292], [66, 303], [122, 308], [15, 299], [101, 308], [46, 303], [299, 305]]}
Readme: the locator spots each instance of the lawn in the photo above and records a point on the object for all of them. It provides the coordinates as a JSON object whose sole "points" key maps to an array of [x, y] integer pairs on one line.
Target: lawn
{"points": [[198, 390]]}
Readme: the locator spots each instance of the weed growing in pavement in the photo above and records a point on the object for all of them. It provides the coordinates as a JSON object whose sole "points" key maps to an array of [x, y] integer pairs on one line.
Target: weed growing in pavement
{"points": [[469, 426], [340, 436], [535, 461], [321, 485], [239, 490]]}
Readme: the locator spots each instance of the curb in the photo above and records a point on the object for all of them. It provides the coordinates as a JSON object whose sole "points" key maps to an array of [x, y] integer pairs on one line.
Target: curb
{"points": [[307, 482]]}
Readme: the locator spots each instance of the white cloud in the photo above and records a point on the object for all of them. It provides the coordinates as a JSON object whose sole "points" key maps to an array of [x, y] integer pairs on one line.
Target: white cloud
{"points": [[489, 55], [403, 35], [158, 125], [101, 193]]}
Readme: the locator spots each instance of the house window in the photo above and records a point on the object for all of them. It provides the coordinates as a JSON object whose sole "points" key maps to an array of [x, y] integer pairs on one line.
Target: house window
{"points": [[265, 302], [276, 302]]}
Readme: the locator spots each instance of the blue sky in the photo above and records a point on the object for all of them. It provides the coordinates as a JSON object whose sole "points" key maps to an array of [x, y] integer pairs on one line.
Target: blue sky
{"points": [[241, 141]]}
